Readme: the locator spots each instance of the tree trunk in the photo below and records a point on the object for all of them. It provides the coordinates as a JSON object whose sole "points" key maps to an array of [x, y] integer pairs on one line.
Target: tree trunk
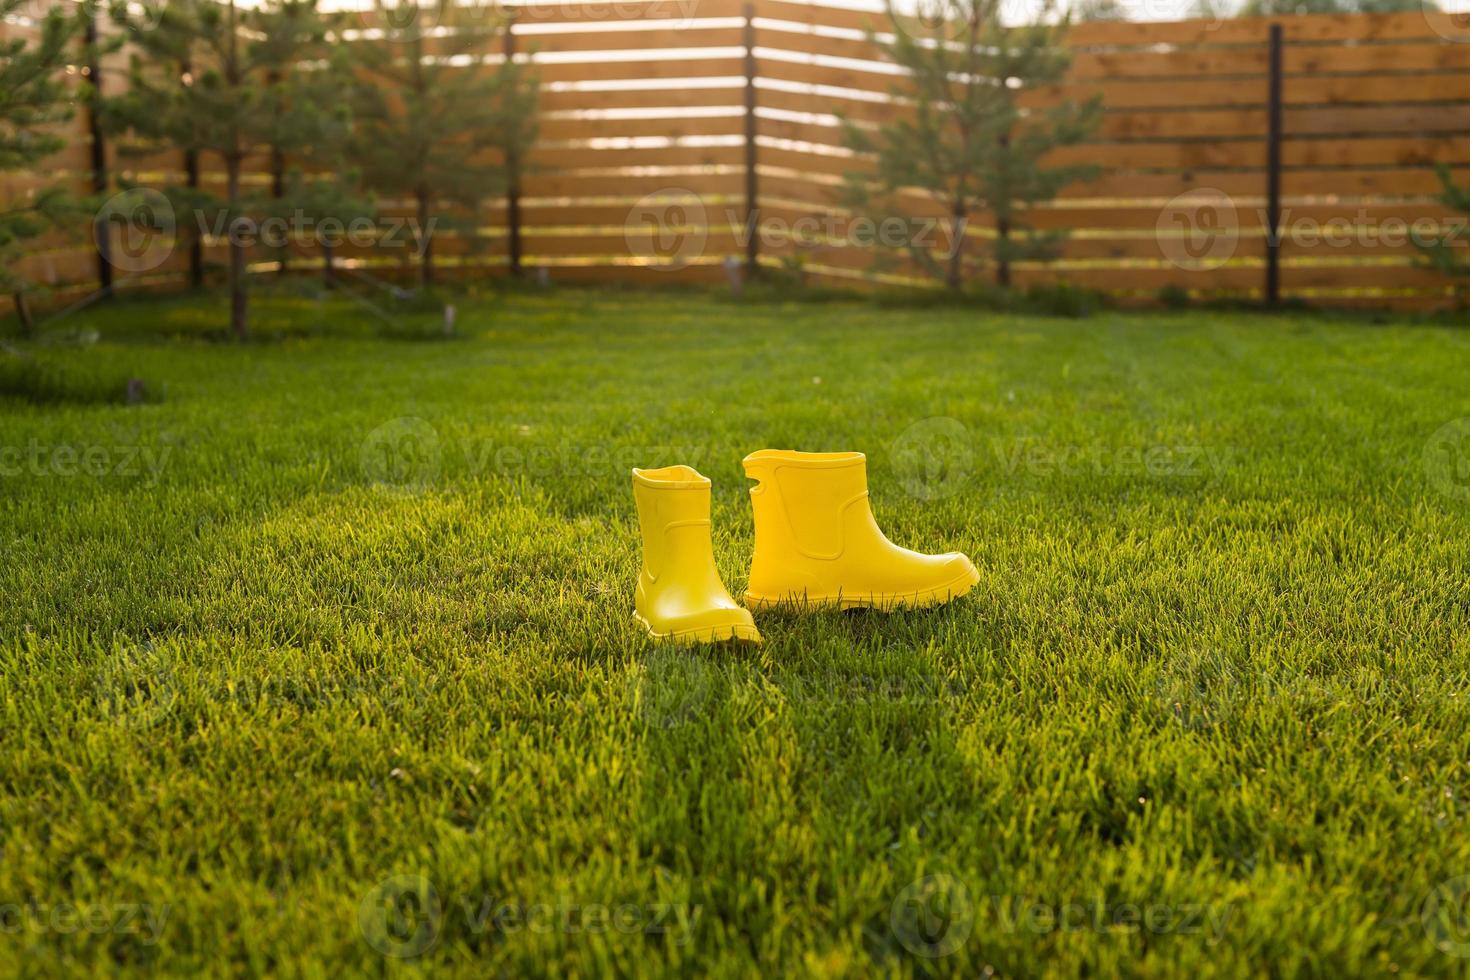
{"points": [[238, 324], [329, 272], [1002, 253], [238, 312], [1003, 229], [278, 191], [196, 241], [426, 241], [191, 180], [954, 278], [23, 312]]}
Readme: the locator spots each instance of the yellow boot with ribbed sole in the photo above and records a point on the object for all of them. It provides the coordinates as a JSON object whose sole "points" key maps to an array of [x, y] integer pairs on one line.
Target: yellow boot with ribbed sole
{"points": [[816, 540], [680, 595]]}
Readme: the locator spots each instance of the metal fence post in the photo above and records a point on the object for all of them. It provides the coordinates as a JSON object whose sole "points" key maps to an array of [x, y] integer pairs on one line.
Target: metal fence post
{"points": [[512, 175], [1273, 175], [752, 207]]}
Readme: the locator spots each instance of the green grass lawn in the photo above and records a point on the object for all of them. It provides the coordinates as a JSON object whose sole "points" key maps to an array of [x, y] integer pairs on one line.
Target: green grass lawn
{"points": [[322, 662]]}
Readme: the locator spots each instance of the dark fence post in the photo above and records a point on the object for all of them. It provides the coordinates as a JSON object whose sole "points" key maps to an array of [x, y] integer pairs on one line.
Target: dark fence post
{"points": [[101, 228], [752, 208], [512, 174], [1273, 175]]}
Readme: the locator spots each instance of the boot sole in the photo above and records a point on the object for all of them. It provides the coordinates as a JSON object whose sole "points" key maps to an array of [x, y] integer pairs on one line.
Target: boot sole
{"points": [[703, 634], [888, 602]]}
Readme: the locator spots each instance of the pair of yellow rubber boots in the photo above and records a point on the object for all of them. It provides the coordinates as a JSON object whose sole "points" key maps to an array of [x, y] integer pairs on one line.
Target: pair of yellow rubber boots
{"points": [[816, 542]]}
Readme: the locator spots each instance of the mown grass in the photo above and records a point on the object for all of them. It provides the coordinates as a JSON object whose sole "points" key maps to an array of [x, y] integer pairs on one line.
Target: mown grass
{"points": [[271, 642]]}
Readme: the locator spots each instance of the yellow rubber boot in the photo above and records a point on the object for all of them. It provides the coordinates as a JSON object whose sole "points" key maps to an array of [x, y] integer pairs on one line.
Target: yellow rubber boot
{"points": [[816, 540], [680, 595]]}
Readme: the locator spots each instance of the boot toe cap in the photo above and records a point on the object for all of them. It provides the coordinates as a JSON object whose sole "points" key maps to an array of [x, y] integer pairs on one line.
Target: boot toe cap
{"points": [[709, 624]]}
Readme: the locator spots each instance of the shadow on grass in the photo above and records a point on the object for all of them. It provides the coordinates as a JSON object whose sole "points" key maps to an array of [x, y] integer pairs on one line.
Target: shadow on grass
{"points": [[39, 381]]}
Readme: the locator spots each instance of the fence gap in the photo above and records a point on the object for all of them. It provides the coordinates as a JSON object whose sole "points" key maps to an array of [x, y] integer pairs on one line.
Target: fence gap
{"points": [[101, 229], [512, 173], [1273, 174], [752, 208]]}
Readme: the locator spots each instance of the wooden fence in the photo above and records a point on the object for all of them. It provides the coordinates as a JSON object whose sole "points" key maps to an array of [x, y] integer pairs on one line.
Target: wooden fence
{"points": [[663, 120]]}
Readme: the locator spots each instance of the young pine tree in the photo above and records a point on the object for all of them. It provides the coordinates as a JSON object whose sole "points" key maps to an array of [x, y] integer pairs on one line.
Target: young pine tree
{"points": [[242, 94], [34, 99], [443, 117], [293, 34], [966, 140], [1447, 254]]}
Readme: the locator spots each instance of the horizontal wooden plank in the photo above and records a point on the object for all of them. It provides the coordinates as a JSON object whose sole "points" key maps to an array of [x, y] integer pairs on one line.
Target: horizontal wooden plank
{"points": [[1225, 278], [1361, 276], [574, 185], [673, 205], [635, 275], [1398, 152], [1204, 155], [857, 110], [646, 68], [1197, 123], [679, 155], [801, 40], [686, 246], [613, 11], [1182, 63], [1340, 242], [1246, 30], [652, 41], [806, 73], [1409, 25], [682, 97], [1386, 119], [1201, 155], [1436, 55], [822, 15], [553, 130], [1397, 182], [1247, 62], [1184, 93]]}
